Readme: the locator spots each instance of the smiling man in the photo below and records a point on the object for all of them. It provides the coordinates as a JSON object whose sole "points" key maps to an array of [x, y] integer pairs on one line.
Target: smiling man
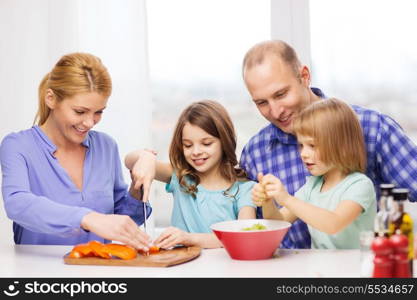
{"points": [[279, 85]]}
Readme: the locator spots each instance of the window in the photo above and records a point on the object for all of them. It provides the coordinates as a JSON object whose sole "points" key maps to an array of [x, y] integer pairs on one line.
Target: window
{"points": [[364, 52], [196, 50]]}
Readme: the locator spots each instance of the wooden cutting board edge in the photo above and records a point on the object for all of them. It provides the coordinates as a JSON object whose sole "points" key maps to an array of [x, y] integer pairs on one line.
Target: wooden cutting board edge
{"points": [[176, 256]]}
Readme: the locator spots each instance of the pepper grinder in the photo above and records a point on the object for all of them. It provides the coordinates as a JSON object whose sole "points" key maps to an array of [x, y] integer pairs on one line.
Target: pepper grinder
{"points": [[400, 257], [383, 264]]}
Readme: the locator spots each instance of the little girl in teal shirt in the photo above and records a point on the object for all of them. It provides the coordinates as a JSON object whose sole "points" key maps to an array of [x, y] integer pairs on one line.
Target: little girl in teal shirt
{"points": [[338, 201], [202, 176]]}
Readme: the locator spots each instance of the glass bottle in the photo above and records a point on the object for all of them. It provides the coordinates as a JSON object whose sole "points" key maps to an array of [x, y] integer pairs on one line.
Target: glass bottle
{"points": [[366, 255], [384, 205], [400, 220]]}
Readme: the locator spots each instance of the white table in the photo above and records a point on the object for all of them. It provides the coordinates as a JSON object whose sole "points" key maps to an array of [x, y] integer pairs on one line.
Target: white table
{"points": [[46, 261]]}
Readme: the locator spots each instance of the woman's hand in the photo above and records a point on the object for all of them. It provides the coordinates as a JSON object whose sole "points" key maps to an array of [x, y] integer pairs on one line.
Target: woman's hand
{"points": [[119, 228], [143, 173], [173, 236]]}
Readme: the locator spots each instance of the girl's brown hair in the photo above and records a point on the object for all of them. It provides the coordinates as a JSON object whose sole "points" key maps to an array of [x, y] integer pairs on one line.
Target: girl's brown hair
{"points": [[73, 74], [213, 118], [337, 134]]}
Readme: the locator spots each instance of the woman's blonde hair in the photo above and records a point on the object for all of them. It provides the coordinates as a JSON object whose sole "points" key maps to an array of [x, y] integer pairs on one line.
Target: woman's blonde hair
{"points": [[337, 134], [213, 118], [73, 74]]}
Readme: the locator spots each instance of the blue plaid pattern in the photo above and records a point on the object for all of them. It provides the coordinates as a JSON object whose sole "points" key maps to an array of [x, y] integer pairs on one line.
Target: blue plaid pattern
{"points": [[392, 158]]}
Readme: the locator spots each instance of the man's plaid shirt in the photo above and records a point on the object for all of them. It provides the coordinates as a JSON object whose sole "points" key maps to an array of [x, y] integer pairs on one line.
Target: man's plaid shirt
{"points": [[392, 158]]}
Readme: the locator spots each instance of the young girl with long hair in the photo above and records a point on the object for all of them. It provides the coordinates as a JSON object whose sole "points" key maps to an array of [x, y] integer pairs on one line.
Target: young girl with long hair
{"points": [[202, 175], [338, 200]]}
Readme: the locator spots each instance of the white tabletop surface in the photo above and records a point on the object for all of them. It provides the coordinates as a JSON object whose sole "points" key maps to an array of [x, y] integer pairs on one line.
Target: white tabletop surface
{"points": [[47, 261]]}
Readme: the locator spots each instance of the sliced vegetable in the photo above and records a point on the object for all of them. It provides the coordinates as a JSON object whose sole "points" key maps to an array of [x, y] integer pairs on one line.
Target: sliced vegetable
{"points": [[120, 251], [256, 226], [107, 251], [83, 250], [154, 249], [98, 249], [75, 254]]}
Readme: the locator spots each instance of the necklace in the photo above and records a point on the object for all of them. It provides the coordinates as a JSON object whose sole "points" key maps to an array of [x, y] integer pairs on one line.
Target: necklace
{"points": [[227, 193]]}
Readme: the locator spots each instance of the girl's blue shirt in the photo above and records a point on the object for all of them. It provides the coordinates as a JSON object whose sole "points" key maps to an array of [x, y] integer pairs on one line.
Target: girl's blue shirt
{"points": [[209, 207]]}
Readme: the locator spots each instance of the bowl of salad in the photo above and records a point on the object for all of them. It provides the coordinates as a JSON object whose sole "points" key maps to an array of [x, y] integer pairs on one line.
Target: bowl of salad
{"points": [[251, 239]]}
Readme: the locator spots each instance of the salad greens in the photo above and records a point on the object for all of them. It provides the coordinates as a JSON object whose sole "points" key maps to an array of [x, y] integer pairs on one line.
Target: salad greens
{"points": [[256, 226]]}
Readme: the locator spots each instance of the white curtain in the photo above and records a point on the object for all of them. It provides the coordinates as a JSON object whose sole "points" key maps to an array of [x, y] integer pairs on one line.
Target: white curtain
{"points": [[35, 34], [290, 22]]}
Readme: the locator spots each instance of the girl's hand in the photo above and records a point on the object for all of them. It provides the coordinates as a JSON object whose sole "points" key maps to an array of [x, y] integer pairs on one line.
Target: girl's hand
{"points": [[259, 196], [143, 173], [119, 228], [173, 236], [274, 188]]}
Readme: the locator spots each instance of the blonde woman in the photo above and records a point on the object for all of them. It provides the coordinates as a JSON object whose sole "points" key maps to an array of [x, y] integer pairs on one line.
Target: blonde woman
{"points": [[62, 181], [338, 200]]}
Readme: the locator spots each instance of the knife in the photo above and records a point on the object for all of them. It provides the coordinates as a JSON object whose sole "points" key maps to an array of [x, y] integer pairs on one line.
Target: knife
{"points": [[144, 210]]}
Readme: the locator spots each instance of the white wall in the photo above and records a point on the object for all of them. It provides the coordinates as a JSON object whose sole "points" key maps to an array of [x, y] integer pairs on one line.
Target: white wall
{"points": [[35, 34]]}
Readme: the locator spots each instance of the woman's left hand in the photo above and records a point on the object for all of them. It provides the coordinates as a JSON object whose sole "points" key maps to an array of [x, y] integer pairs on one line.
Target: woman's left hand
{"points": [[142, 174], [171, 237], [137, 194]]}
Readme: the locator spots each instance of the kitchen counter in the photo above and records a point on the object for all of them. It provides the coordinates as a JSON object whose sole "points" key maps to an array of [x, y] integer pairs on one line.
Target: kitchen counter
{"points": [[47, 261]]}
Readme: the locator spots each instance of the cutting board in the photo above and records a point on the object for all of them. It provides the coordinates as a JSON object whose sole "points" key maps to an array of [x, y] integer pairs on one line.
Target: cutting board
{"points": [[164, 258]]}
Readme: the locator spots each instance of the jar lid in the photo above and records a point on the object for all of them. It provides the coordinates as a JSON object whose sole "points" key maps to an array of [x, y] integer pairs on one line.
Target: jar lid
{"points": [[400, 194], [386, 186]]}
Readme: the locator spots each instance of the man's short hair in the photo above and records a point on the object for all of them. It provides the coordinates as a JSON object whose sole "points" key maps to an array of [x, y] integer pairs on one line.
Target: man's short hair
{"points": [[264, 50]]}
